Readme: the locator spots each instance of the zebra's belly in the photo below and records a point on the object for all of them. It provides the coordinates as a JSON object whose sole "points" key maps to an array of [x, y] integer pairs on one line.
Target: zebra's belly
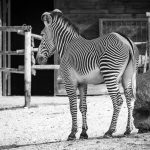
{"points": [[92, 77]]}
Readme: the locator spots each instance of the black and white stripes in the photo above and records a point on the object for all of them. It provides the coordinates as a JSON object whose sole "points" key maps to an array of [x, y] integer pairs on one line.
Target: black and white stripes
{"points": [[108, 59]]}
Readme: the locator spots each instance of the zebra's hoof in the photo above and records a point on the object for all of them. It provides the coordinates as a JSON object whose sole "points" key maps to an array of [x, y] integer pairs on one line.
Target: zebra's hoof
{"points": [[128, 132], [83, 136], [71, 138], [108, 135]]}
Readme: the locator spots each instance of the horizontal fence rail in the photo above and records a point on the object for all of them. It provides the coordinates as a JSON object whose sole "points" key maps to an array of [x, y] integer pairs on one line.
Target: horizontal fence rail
{"points": [[15, 28], [45, 67], [12, 70], [35, 36]]}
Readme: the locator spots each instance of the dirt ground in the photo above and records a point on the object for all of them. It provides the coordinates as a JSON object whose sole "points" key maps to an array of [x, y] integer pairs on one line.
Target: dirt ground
{"points": [[46, 125]]}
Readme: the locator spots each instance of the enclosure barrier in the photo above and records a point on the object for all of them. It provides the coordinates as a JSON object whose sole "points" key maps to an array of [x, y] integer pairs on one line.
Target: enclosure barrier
{"points": [[27, 52], [27, 58]]}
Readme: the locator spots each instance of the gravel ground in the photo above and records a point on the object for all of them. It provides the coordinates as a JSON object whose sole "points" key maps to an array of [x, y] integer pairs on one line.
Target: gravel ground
{"points": [[47, 124]]}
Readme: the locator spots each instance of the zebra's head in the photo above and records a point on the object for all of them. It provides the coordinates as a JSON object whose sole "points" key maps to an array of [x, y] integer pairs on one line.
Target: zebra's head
{"points": [[47, 45]]}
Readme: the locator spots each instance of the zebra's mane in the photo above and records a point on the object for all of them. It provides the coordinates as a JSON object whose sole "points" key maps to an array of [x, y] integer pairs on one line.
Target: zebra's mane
{"points": [[66, 21]]}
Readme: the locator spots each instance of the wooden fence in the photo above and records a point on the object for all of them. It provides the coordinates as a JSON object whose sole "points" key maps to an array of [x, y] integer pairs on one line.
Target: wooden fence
{"points": [[27, 52], [27, 58]]}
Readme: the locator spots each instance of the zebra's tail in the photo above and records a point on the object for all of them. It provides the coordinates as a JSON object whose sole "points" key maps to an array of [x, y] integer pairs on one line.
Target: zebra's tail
{"points": [[134, 85], [135, 59]]}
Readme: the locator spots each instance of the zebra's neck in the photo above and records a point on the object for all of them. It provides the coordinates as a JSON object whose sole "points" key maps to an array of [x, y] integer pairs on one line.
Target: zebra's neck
{"points": [[62, 37]]}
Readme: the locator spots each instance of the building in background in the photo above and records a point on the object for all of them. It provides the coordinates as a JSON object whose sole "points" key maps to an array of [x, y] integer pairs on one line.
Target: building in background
{"points": [[93, 18]]}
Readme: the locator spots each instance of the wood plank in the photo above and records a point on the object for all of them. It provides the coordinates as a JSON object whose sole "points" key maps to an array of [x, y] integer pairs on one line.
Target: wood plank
{"points": [[11, 53], [9, 45], [12, 70], [4, 49], [27, 66], [148, 16], [55, 74], [14, 28], [36, 36], [45, 67], [0, 47]]}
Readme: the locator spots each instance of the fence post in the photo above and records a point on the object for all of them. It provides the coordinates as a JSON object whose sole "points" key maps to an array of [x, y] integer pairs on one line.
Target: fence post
{"points": [[148, 15], [27, 66], [0, 48]]}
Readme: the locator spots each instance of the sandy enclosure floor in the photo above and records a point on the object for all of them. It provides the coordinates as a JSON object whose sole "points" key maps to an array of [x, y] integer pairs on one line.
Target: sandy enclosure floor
{"points": [[46, 125]]}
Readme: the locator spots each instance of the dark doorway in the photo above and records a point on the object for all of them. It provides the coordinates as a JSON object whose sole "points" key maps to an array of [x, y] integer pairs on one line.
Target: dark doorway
{"points": [[29, 12]]}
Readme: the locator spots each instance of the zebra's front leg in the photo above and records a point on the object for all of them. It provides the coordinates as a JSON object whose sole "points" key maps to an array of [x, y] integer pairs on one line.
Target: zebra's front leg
{"points": [[117, 103], [71, 92], [83, 109], [130, 104]]}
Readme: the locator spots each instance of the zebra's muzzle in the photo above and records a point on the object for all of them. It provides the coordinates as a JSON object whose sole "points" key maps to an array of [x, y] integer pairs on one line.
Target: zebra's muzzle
{"points": [[41, 60]]}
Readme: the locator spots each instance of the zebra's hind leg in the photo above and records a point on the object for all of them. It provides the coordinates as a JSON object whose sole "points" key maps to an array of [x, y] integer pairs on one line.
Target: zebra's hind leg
{"points": [[130, 103], [117, 103], [83, 109], [129, 85]]}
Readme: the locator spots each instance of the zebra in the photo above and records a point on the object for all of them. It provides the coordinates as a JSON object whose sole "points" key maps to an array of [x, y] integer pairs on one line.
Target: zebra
{"points": [[110, 58]]}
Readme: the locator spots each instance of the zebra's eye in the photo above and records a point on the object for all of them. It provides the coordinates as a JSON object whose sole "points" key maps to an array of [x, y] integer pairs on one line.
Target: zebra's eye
{"points": [[42, 34]]}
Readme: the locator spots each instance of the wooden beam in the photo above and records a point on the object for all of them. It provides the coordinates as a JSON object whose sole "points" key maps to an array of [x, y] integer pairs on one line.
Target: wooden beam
{"points": [[140, 43], [45, 67], [4, 58], [27, 65], [9, 45], [100, 27], [12, 53], [148, 15], [15, 28], [55, 74], [12, 70], [34, 49], [36, 36], [0, 47]]}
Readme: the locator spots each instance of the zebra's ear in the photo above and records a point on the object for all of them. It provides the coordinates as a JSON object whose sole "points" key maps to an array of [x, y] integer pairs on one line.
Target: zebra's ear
{"points": [[57, 10], [46, 18]]}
